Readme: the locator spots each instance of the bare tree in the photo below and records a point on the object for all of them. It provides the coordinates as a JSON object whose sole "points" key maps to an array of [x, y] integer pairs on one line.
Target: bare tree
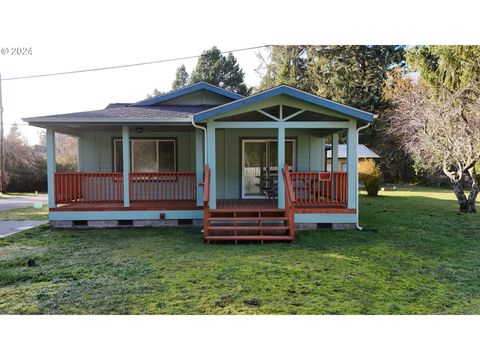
{"points": [[441, 132]]}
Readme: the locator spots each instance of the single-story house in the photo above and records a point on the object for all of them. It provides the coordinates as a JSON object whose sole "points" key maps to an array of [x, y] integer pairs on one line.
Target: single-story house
{"points": [[363, 153], [242, 167]]}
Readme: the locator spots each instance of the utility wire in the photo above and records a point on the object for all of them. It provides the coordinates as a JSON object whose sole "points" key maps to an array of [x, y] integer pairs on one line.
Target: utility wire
{"points": [[126, 65]]}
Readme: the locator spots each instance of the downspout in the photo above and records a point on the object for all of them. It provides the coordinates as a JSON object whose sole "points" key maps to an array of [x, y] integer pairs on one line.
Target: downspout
{"points": [[204, 137], [358, 207]]}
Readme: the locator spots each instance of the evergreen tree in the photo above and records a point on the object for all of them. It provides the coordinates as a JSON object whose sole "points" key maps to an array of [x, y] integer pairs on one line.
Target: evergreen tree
{"points": [[216, 69], [181, 78], [446, 67]]}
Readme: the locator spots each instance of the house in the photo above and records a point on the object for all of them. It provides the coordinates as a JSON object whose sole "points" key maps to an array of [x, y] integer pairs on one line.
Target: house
{"points": [[242, 167], [363, 153]]}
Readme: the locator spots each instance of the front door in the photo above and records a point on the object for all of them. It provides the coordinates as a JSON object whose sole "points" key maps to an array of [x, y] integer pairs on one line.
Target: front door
{"points": [[259, 167]]}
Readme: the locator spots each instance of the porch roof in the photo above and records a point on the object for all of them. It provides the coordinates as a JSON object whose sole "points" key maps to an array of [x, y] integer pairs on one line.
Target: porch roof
{"points": [[288, 91], [125, 113]]}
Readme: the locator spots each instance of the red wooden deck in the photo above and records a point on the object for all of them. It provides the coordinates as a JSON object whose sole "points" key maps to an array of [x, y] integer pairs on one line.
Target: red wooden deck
{"points": [[134, 205], [264, 204]]}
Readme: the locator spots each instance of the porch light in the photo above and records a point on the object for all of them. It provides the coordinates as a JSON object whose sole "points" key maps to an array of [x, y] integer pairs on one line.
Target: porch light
{"points": [[139, 130]]}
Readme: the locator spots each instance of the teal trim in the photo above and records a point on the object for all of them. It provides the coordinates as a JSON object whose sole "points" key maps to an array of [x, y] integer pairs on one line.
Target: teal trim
{"points": [[289, 91], [212, 164], [326, 218], [352, 162], [182, 214], [199, 164], [334, 151], [126, 165], [51, 167], [281, 162], [278, 124], [125, 215], [189, 90]]}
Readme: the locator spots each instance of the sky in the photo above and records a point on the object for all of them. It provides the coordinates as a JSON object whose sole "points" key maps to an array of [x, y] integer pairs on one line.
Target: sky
{"points": [[68, 36]]}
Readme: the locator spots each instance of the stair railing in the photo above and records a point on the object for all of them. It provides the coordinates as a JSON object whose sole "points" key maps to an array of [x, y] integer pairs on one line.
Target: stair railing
{"points": [[289, 199]]}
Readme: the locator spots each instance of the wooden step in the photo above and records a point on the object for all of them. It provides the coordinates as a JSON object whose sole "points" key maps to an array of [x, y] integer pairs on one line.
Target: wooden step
{"points": [[246, 211], [266, 228], [248, 237], [247, 218]]}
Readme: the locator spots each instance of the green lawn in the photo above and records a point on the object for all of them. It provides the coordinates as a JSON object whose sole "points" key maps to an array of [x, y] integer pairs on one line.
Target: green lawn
{"points": [[17, 194], [423, 258], [25, 213]]}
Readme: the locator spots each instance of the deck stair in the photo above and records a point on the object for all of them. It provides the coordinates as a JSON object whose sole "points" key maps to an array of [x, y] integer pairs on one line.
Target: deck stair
{"points": [[248, 225]]}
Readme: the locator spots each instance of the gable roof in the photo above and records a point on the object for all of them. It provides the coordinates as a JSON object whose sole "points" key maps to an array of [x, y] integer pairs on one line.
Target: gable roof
{"points": [[189, 90], [289, 91], [362, 152]]}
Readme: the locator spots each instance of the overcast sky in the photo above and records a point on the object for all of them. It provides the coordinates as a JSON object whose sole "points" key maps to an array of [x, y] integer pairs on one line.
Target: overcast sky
{"points": [[67, 36]]}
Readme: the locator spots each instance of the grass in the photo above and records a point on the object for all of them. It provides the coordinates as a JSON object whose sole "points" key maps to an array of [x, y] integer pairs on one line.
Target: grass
{"points": [[17, 194], [423, 259], [25, 213]]}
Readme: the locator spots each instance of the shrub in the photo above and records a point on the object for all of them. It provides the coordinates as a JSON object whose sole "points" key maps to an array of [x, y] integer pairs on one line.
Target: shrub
{"points": [[370, 176]]}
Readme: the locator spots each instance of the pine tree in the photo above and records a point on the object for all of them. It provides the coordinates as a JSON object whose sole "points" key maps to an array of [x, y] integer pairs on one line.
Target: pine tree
{"points": [[181, 78], [216, 69]]}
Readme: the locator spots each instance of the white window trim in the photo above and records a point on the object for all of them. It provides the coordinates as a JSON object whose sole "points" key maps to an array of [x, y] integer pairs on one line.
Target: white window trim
{"points": [[132, 160]]}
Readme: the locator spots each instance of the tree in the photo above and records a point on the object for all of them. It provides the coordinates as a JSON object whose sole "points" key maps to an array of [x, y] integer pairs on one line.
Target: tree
{"points": [[216, 69], [446, 67], [441, 130], [154, 93], [285, 65], [25, 168], [181, 78]]}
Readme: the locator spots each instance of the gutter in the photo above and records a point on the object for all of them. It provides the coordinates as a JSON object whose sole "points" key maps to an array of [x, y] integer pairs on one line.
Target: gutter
{"points": [[204, 137], [358, 207]]}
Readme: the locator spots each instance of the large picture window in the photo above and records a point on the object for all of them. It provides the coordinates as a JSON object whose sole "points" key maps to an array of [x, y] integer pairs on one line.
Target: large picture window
{"points": [[147, 155]]}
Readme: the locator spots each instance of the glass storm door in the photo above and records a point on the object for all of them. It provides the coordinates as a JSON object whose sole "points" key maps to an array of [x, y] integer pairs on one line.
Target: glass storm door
{"points": [[259, 166], [254, 163]]}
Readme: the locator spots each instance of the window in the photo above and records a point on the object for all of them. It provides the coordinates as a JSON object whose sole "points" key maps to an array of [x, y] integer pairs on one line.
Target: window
{"points": [[147, 155]]}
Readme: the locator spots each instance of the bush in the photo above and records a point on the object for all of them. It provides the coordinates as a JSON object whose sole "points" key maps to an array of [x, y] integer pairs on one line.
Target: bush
{"points": [[370, 176]]}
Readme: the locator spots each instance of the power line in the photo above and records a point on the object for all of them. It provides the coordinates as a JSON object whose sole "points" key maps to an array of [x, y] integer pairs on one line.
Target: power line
{"points": [[126, 65]]}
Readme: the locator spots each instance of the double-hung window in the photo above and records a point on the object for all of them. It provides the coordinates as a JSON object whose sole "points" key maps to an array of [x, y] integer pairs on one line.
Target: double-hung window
{"points": [[147, 155]]}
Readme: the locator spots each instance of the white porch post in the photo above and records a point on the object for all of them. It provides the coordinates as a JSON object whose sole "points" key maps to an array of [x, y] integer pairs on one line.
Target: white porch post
{"points": [[281, 162], [352, 160], [211, 149], [199, 165], [51, 167], [126, 165], [334, 158]]}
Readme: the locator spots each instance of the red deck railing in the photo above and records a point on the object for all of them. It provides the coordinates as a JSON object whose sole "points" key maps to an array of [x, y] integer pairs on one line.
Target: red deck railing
{"points": [[108, 187], [88, 187], [163, 186], [319, 188]]}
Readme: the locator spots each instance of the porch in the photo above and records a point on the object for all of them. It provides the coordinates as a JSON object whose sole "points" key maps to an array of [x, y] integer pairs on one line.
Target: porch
{"points": [[314, 192]]}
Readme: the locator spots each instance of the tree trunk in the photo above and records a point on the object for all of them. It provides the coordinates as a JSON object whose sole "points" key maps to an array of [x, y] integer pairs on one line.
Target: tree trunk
{"points": [[466, 205], [472, 197]]}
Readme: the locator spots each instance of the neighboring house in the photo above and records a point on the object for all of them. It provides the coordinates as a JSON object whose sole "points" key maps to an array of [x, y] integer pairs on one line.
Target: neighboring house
{"points": [[363, 153], [243, 167]]}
